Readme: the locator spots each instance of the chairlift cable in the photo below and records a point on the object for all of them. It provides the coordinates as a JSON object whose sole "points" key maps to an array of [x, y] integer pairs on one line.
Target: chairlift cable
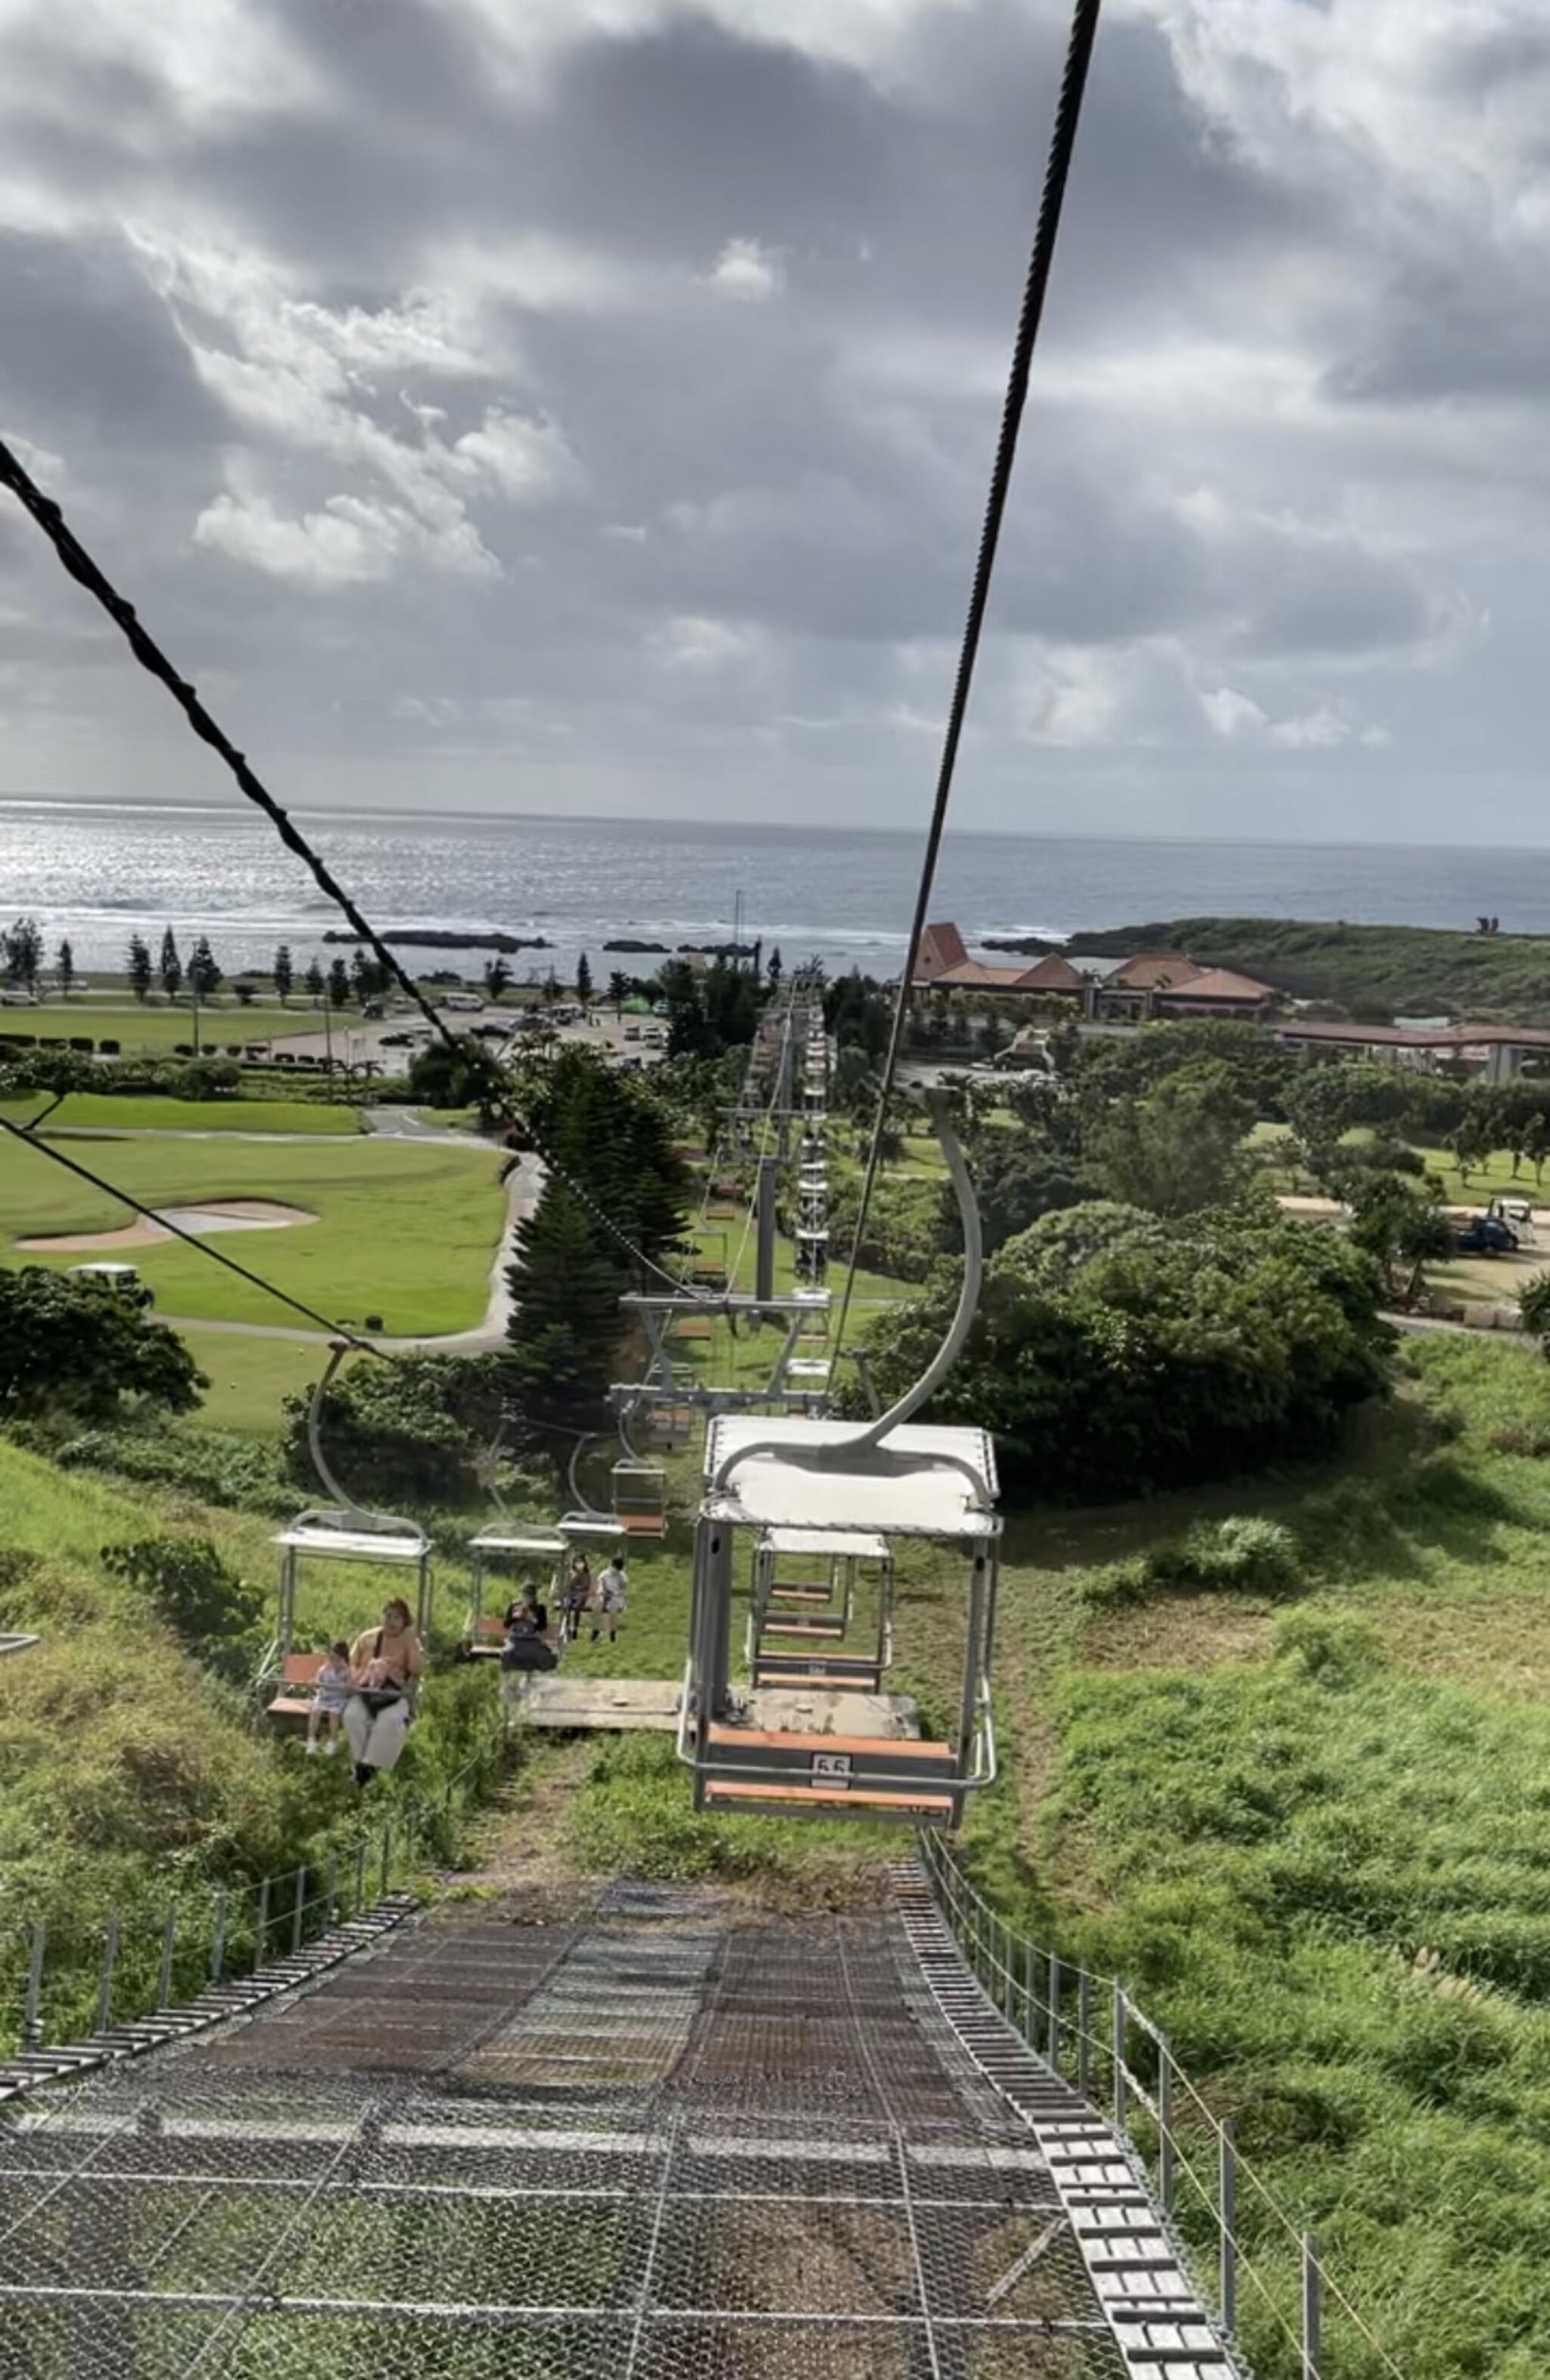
{"points": [[86, 573], [1073, 83]]}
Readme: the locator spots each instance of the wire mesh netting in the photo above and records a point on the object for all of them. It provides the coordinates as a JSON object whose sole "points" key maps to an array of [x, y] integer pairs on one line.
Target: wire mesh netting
{"points": [[646, 2140]]}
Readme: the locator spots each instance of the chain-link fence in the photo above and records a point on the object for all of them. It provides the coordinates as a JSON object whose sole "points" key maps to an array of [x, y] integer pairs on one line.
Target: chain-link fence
{"points": [[70, 1977], [650, 2138], [1257, 2266]]}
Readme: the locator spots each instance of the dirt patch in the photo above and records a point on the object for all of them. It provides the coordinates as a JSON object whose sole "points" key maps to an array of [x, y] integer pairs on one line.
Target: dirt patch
{"points": [[216, 1215], [1178, 1632]]}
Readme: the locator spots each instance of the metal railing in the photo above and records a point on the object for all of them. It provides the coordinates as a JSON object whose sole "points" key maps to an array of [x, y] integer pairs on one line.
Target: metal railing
{"points": [[1254, 2263], [62, 1980]]}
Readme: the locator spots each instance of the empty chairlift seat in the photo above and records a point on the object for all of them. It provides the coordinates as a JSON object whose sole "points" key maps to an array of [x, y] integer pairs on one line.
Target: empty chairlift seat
{"points": [[293, 1692], [843, 1645], [640, 1499], [809, 1484]]}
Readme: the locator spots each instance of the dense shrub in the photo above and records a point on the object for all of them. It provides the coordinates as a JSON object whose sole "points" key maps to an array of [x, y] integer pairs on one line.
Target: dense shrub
{"points": [[1114, 1354], [417, 1429], [196, 1595]]}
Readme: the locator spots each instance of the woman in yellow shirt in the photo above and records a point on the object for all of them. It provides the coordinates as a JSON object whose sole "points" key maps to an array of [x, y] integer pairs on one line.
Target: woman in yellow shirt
{"points": [[386, 1665]]}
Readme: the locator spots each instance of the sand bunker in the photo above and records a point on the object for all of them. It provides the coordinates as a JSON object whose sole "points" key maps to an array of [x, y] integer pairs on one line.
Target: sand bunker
{"points": [[222, 1215]]}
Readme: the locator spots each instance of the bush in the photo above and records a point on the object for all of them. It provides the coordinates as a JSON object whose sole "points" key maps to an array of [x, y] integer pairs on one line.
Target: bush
{"points": [[196, 1595], [1115, 1355], [1240, 1551], [417, 1427], [217, 1466], [1329, 1647]]}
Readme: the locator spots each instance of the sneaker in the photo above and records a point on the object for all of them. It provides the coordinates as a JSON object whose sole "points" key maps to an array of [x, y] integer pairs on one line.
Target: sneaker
{"points": [[331, 1746], [311, 1746]]}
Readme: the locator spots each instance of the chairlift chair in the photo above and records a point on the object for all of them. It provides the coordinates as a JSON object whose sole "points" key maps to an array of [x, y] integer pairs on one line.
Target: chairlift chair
{"points": [[504, 1541], [803, 1610], [794, 1474], [342, 1531], [640, 1499]]}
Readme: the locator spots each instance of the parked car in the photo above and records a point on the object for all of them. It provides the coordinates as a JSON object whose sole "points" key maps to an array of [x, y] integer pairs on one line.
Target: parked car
{"points": [[397, 1041], [631, 1033]]}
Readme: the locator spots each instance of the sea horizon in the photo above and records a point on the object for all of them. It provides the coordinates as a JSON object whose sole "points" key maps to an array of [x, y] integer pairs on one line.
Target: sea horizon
{"points": [[94, 872]]}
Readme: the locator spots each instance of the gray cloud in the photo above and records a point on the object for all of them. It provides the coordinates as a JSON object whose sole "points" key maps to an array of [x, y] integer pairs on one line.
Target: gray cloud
{"points": [[607, 418]]}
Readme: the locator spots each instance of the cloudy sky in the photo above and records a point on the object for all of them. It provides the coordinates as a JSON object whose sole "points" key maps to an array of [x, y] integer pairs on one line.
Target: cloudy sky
{"points": [[587, 405]]}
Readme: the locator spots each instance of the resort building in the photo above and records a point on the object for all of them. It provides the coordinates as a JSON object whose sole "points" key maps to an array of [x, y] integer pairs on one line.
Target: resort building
{"points": [[944, 965]]}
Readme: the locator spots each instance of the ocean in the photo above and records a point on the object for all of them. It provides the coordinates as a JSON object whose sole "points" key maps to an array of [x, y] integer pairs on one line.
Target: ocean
{"points": [[97, 872]]}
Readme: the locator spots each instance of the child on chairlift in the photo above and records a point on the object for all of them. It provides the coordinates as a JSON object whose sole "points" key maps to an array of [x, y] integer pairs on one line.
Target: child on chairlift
{"points": [[332, 1694]]}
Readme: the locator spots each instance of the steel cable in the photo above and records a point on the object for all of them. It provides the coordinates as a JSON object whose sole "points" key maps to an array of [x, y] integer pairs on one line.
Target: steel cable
{"points": [[1067, 111], [86, 573]]}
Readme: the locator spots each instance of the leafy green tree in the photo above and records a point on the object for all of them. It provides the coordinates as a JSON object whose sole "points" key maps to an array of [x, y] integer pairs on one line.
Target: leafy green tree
{"points": [[205, 978], [284, 972], [566, 1327], [138, 967], [857, 1015], [583, 979], [1175, 1149], [1401, 1224], [497, 977], [24, 949], [170, 966], [65, 969], [1115, 1355], [774, 970], [338, 985], [1017, 1178], [315, 981], [619, 990], [460, 1075], [73, 1343]]}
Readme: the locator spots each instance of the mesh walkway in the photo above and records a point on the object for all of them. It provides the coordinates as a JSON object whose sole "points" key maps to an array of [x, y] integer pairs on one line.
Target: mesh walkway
{"points": [[643, 2140]]}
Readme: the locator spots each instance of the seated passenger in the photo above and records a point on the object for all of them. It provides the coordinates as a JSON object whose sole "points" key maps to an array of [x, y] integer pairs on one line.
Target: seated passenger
{"points": [[386, 1664], [332, 1694]]}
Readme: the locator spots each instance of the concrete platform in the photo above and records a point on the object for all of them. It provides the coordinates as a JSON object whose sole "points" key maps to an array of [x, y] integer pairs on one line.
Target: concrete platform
{"points": [[602, 1703], [821, 1711]]}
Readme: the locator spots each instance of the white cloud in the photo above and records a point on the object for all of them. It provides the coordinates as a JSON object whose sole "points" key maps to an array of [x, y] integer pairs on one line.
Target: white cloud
{"points": [[346, 543], [692, 642], [744, 268], [1230, 714]]}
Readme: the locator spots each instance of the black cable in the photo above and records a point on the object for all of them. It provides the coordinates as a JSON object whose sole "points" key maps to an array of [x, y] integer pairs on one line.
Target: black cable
{"points": [[74, 559], [125, 1199], [1067, 111]]}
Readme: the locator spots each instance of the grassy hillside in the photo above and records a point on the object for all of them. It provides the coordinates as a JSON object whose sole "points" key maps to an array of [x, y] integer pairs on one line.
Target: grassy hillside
{"points": [[131, 1778], [1308, 1832], [1375, 972]]}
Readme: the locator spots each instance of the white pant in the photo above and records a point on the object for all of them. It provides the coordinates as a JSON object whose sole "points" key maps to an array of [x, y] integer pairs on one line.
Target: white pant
{"points": [[376, 1737]]}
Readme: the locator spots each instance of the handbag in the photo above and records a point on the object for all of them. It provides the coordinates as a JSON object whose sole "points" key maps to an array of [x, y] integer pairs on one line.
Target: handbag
{"points": [[379, 1698], [528, 1653]]}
